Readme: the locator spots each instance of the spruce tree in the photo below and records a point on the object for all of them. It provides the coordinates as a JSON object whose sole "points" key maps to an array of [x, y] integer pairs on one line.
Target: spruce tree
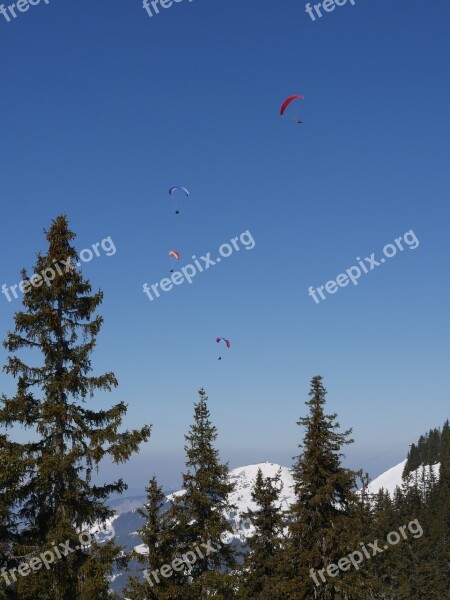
{"points": [[412, 460], [198, 514], [262, 567], [438, 528], [326, 523], [55, 401], [383, 568], [423, 570], [13, 470], [160, 543]]}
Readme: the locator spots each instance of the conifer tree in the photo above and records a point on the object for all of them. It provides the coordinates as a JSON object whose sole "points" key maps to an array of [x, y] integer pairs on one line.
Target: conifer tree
{"points": [[12, 473], [262, 567], [198, 515], [385, 519], [423, 569], [326, 522], [412, 460], [438, 528], [417, 567], [55, 400], [157, 536], [445, 440]]}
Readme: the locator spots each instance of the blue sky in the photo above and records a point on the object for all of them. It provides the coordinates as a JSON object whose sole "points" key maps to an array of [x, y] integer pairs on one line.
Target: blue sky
{"points": [[103, 108]]}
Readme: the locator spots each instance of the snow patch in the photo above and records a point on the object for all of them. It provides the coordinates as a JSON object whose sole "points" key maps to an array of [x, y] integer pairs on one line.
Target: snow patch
{"points": [[392, 478]]}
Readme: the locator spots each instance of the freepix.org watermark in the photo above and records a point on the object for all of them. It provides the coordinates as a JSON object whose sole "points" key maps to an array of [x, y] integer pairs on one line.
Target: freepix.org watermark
{"points": [[22, 6], [353, 274], [152, 8], [357, 557], [60, 267], [185, 561], [48, 557], [189, 271], [327, 6]]}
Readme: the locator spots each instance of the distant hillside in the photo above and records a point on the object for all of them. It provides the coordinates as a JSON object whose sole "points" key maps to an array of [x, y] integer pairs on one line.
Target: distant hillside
{"points": [[429, 450], [423, 456], [394, 478]]}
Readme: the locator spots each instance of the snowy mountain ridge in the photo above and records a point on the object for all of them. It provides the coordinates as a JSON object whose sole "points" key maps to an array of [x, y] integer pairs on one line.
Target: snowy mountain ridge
{"points": [[392, 478], [125, 525], [244, 479]]}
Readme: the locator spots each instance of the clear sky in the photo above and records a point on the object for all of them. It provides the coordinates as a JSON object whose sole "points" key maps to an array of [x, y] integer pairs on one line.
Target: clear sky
{"points": [[103, 108]]}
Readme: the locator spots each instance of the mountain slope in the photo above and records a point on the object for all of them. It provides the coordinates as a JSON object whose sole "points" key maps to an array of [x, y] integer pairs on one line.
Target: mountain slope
{"points": [[393, 478], [126, 524]]}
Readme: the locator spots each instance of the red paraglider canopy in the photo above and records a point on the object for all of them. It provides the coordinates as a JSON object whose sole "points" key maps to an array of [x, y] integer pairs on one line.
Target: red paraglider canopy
{"points": [[288, 101], [221, 339]]}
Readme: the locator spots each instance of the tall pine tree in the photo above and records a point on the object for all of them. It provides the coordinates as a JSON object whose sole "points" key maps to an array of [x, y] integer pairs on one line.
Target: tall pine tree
{"points": [[326, 517], [198, 514], [55, 400]]}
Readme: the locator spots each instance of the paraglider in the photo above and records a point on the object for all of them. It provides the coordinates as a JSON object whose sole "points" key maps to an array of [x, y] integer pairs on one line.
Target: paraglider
{"points": [[173, 254], [181, 189], [178, 187], [287, 102], [225, 341]]}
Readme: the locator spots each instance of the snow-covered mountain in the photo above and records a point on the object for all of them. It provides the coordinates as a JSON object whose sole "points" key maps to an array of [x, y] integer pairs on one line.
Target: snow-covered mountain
{"points": [[244, 480], [126, 524], [393, 478]]}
